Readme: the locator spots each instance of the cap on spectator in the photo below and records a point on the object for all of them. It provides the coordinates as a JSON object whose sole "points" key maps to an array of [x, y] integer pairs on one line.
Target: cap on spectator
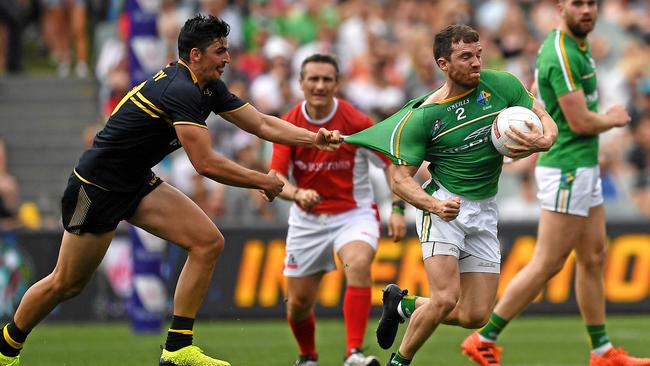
{"points": [[277, 47]]}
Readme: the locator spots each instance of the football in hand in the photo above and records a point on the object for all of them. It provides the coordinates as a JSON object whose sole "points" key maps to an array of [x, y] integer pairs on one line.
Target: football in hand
{"points": [[512, 116]]}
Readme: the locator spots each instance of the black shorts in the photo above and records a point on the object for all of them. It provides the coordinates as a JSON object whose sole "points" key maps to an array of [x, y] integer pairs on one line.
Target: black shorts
{"points": [[87, 208]]}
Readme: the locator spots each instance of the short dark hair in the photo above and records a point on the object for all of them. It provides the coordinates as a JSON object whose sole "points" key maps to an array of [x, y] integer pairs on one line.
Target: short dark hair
{"points": [[319, 57], [452, 34], [199, 32]]}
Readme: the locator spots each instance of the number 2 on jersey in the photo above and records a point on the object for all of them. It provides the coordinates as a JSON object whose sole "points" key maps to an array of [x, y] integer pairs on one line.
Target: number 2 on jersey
{"points": [[460, 114]]}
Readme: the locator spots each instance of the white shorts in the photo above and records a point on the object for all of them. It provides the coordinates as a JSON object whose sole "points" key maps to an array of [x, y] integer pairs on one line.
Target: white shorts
{"points": [[313, 239], [569, 191], [471, 237]]}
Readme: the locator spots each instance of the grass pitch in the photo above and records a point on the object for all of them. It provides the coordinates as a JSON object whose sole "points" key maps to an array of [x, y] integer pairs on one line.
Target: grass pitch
{"points": [[528, 341]]}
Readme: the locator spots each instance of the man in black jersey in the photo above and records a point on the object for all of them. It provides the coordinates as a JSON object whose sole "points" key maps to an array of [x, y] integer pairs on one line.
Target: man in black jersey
{"points": [[113, 181]]}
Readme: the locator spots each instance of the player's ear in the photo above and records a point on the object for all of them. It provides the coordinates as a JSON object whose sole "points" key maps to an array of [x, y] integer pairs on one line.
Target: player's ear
{"points": [[195, 54], [442, 63]]}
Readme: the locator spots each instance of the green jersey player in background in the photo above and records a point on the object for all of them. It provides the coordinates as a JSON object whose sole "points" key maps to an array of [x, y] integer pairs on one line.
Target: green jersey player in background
{"points": [[457, 214], [570, 192]]}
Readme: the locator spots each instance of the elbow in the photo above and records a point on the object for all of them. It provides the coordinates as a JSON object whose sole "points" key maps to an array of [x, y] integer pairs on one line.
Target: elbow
{"points": [[579, 129], [202, 169], [578, 126]]}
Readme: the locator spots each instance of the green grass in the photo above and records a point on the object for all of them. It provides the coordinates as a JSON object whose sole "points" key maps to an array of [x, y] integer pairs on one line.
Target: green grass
{"points": [[529, 341]]}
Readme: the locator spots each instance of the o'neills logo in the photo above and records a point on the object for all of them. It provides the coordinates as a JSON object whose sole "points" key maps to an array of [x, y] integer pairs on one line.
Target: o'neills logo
{"points": [[495, 128], [323, 165]]}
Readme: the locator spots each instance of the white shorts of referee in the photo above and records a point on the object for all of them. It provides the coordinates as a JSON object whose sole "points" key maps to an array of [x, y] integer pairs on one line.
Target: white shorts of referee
{"points": [[313, 239]]}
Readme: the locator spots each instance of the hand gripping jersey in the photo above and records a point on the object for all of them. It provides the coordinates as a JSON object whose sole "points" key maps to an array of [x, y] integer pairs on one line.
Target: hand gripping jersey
{"points": [[452, 134], [140, 131], [340, 177], [563, 67]]}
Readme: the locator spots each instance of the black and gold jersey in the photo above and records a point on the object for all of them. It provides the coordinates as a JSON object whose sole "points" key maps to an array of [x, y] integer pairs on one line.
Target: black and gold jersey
{"points": [[140, 131]]}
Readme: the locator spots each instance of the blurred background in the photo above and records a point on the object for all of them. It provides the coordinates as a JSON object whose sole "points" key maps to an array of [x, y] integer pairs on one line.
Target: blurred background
{"points": [[65, 64]]}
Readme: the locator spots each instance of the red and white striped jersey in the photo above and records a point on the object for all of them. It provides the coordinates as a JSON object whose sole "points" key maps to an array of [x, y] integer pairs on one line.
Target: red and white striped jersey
{"points": [[341, 178]]}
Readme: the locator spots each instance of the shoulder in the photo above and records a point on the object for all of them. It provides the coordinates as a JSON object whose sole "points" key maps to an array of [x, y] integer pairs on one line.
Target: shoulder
{"points": [[293, 114], [218, 87], [353, 117], [500, 77], [348, 109], [179, 86]]}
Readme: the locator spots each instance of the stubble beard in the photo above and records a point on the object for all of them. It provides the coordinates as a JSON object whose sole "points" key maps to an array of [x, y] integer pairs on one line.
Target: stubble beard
{"points": [[579, 31]]}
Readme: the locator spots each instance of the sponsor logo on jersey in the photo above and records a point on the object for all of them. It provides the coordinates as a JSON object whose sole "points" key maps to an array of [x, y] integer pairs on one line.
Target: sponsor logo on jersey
{"points": [[475, 138], [318, 166], [174, 142], [483, 99]]}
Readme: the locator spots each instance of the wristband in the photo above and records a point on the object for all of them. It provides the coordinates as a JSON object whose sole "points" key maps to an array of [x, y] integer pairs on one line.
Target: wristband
{"points": [[398, 207]]}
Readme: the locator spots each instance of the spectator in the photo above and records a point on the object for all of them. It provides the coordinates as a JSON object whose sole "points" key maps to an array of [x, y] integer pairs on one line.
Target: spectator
{"points": [[65, 19], [8, 194], [271, 92], [12, 14]]}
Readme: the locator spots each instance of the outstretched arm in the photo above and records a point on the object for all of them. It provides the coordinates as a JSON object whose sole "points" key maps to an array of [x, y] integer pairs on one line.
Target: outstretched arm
{"points": [[277, 130], [197, 144]]}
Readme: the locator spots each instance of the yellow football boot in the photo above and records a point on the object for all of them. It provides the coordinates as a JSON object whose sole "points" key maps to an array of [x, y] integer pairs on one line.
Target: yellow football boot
{"points": [[187, 356]]}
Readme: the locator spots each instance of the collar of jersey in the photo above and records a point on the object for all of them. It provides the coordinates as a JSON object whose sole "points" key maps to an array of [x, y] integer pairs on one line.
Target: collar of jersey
{"points": [[323, 120], [584, 47], [194, 79], [451, 99]]}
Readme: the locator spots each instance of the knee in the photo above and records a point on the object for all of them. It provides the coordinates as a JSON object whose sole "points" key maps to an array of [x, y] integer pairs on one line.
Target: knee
{"points": [[66, 288], [549, 267], [593, 261], [298, 306], [210, 247], [473, 319], [444, 302], [357, 266]]}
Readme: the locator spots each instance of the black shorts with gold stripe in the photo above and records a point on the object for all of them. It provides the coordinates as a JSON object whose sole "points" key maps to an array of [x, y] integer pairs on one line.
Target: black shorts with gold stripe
{"points": [[89, 208]]}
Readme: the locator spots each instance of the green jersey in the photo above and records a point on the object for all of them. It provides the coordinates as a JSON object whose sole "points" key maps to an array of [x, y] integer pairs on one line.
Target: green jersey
{"points": [[452, 134], [562, 67]]}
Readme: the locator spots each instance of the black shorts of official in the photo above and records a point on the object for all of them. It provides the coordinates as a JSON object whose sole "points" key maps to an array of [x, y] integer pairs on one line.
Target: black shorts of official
{"points": [[87, 208]]}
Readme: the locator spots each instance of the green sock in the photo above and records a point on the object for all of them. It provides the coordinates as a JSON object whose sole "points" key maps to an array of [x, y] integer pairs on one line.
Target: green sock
{"points": [[407, 306], [494, 326], [397, 359], [598, 335]]}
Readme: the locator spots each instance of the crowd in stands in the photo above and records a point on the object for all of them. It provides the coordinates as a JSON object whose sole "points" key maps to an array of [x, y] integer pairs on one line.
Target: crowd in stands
{"points": [[385, 55]]}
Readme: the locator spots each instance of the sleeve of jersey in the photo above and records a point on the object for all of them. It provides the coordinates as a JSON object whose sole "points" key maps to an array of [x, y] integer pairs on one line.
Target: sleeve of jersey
{"points": [[400, 137], [183, 106], [519, 95], [563, 73], [223, 101], [375, 157]]}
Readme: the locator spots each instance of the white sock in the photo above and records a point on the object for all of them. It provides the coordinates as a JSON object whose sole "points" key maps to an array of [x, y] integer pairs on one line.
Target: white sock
{"points": [[487, 340], [400, 312], [602, 349]]}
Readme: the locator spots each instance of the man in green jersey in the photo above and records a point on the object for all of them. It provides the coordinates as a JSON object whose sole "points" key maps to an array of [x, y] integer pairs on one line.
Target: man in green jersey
{"points": [[570, 192], [457, 213]]}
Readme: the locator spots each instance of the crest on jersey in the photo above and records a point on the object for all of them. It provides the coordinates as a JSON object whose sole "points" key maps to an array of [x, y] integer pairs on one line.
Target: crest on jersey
{"points": [[483, 98]]}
